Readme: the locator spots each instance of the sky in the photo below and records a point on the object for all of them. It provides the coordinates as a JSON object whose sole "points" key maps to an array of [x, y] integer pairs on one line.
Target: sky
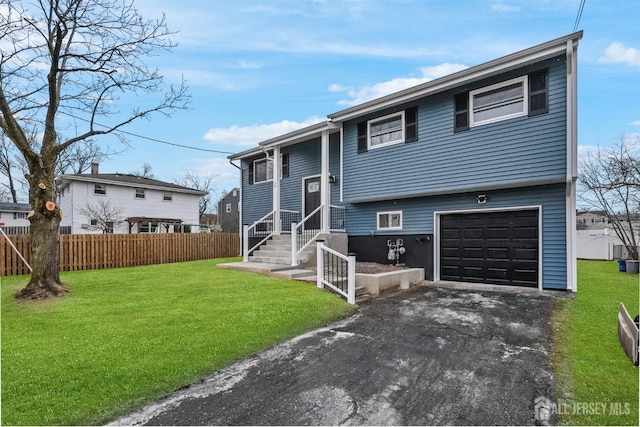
{"points": [[259, 69]]}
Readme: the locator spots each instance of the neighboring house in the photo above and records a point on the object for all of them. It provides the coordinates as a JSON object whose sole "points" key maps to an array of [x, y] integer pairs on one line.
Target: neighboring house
{"points": [[228, 211], [592, 220], [14, 214], [474, 171], [146, 205]]}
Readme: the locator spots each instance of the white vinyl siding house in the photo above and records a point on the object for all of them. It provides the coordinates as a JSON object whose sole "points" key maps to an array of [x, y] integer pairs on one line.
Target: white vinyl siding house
{"points": [[138, 197]]}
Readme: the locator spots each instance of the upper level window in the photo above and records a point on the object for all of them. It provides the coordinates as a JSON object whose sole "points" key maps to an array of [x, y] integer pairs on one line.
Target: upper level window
{"points": [[512, 98], [167, 197], [140, 193], [499, 102], [262, 170], [386, 130], [99, 189], [19, 215], [390, 220]]}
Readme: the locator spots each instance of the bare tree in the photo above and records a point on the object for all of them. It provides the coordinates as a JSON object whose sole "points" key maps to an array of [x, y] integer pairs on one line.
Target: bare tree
{"points": [[145, 172], [103, 215], [610, 181], [202, 183], [8, 166], [77, 158], [64, 64]]}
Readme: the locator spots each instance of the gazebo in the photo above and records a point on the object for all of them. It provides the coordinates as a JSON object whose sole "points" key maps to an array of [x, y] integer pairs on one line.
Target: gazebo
{"points": [[151, 223]]}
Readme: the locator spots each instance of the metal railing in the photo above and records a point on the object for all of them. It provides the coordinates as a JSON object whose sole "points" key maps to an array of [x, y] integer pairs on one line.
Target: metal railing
{"points": [[286, 218], [336, 271], [302, 236], [260, 230], [336, 218]]}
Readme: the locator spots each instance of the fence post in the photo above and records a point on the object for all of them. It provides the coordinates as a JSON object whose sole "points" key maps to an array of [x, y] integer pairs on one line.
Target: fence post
{"points": [[294, 244], [245, 243], [351, 279], [320, 263]]}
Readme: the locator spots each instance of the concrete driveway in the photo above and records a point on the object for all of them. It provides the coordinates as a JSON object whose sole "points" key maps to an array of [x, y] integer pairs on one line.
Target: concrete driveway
{"points": [[427, 356]]}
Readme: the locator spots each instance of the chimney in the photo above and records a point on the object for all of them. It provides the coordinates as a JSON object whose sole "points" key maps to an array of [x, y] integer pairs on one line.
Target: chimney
{"points": [[94, 168]]}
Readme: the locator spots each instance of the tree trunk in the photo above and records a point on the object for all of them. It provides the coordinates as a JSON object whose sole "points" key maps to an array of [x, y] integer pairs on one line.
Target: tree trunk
{"points": [[45, 239]]}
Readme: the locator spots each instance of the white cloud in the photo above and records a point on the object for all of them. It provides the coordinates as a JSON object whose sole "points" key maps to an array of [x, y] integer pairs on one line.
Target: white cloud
{"points": [[617, 53], [247, 136], [501, 7], [225, 175], [635, 123], [359, 95]]}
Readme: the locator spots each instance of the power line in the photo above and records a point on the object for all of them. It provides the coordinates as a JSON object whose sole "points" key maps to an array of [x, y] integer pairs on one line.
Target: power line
{"points": [[580, 9], [152, 139]]}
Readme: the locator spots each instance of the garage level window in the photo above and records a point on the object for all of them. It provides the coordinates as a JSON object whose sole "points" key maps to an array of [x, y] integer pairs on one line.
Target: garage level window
{"points": [[390, 220], [99, 189], [140, 193]]}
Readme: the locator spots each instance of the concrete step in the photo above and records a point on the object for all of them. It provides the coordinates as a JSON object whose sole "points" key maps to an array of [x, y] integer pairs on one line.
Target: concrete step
{"points": [[293, 273], [274, 247], [270, 260], [272, 254]]}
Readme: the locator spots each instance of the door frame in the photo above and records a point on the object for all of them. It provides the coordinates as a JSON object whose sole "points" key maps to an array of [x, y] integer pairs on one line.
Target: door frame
{"points": [[436, 234], [303, 187]]}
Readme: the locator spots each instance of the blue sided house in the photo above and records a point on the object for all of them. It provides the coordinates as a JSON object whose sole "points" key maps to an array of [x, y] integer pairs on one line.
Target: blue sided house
{"points": [[473, 173]]}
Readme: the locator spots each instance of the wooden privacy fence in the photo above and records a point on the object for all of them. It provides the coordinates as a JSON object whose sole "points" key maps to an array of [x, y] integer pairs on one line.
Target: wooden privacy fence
{"points": [[95, 251]]}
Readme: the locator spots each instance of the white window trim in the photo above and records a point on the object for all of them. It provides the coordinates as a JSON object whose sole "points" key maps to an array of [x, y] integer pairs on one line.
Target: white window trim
{"points": [[266, 160], [525, 101], [386, 144], [390, 227], [144, 194], [104, 187]]}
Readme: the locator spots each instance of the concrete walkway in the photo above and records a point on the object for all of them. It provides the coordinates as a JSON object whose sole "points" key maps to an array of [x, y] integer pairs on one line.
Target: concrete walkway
{"points": [[427, 356]]}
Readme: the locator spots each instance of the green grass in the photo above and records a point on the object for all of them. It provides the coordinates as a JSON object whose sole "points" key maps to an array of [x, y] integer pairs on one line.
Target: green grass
{"points": [[124, 337], [591, 366]]}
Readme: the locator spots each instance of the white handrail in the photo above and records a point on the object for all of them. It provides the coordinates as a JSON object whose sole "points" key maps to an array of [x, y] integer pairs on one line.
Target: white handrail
{"points": [[245, 238], [321, 280], [294, 236]]}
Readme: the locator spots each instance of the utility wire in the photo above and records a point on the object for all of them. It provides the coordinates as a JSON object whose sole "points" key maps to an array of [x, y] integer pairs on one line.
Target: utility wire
{"points": [[580, 9], [152, 139]]}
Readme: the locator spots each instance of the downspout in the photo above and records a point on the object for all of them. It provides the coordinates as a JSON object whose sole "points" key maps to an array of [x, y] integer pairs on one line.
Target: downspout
{"points": [[572, 163], [239, 205]]}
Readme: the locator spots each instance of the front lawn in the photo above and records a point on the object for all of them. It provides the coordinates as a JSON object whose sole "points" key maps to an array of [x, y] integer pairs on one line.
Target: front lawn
{"points": [[124, 337], [597, 383]]}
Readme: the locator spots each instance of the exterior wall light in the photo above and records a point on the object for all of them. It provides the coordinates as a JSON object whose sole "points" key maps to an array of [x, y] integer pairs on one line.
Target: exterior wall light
{"points": [[481, 198]]}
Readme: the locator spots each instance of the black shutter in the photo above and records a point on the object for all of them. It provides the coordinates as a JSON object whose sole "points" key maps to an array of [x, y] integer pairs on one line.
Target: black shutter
{"points": [[411, 124], [362, 137], [461, 116], [285, 165], [538, 92], [250, 173]]}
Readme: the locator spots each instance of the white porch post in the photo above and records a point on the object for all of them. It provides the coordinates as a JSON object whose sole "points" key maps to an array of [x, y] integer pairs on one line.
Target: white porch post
{"points": [[324, 182], [277, 226]]}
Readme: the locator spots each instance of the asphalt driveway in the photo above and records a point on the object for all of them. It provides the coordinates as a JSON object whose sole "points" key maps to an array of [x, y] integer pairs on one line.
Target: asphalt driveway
{"points": [[428, 356]]}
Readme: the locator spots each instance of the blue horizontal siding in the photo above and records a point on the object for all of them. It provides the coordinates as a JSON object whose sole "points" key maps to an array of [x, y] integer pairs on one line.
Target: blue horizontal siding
{"points": [[257, 199], [519, 149], [418, 216]]}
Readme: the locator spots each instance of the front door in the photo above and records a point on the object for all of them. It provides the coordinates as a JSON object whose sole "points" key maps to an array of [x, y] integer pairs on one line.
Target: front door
{"points": [[311, 202]]}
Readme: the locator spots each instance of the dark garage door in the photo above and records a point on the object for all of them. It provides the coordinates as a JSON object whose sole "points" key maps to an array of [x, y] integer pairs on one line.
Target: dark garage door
{"points": [[497, 248]]}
